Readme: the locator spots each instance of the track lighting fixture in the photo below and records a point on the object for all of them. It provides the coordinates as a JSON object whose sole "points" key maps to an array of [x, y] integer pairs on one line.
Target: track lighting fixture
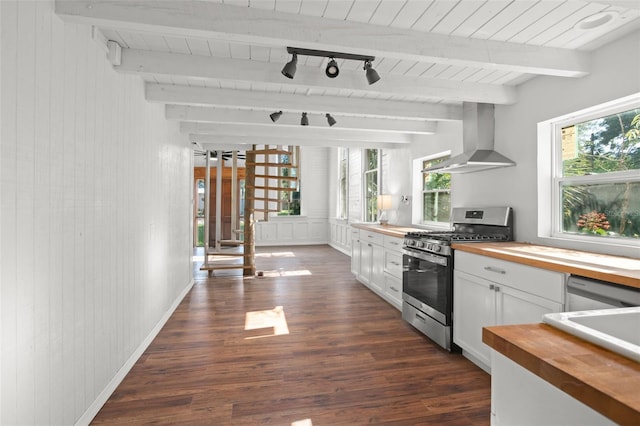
{"points": [[275, 116], [304, 120], [289, 69], [372, 75], [332, 70], [330, 120]]}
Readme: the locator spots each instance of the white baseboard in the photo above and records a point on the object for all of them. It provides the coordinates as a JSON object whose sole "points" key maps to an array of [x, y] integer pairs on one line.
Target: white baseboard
{"points": [[93, 409], [340, 248]]}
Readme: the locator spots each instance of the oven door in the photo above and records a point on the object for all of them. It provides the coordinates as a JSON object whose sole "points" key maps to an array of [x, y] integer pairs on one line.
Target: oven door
{"points": [[427, 284]]}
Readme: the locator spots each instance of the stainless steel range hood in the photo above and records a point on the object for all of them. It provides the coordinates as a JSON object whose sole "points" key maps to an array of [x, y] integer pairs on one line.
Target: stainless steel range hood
{"points": [[477, 143]]}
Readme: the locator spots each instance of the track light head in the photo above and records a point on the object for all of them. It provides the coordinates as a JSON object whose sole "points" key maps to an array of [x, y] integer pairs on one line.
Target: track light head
{"points": [[332, 69], [304, 121], [275, 116], [289, 69], [372, 75], [330, 120]]}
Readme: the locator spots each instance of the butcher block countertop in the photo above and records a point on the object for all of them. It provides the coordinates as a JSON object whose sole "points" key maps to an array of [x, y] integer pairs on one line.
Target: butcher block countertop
{"points": [[615, 269], [390, 230], [605, 381]]}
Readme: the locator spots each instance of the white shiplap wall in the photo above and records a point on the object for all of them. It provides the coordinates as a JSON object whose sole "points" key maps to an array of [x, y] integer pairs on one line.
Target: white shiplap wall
{"points": [[355, 186], [95, 200]]}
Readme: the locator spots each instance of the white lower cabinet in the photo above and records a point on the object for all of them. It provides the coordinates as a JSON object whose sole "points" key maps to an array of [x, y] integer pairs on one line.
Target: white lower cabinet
{"points": [[393, 290], [371, 265], [517, 294], [376, 261], [519, 397], [355, 252], [393, 271]]}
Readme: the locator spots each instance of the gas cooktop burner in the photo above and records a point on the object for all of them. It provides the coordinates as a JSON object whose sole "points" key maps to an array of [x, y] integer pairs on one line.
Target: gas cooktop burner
{"points": [[456, 236], [470, 225]]}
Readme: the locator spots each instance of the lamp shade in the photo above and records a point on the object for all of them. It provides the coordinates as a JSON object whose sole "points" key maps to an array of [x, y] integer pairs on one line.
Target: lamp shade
{"points": [[385, 202]]}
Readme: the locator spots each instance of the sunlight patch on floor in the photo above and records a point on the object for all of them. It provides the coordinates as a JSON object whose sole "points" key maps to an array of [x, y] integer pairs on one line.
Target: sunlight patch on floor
{"points": [[285, 273], [277, 254], [271, 321], [305, 422]]}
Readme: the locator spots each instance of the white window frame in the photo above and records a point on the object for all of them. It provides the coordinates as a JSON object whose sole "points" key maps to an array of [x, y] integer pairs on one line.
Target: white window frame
{"points": [[417, 212], [550, 180]]}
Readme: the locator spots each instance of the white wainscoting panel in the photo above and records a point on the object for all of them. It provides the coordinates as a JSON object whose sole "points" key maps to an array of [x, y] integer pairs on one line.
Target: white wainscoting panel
{"points": [[340, 236], [292, 231]]}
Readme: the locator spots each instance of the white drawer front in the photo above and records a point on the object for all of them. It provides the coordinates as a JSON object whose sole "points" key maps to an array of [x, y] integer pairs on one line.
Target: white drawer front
{"points": [[541, 282], [393, 243], [372, 237], [393, 263]]}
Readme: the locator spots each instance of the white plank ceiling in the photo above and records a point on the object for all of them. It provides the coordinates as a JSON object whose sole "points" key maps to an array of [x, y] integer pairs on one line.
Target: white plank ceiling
{"points": [[216, 64]]}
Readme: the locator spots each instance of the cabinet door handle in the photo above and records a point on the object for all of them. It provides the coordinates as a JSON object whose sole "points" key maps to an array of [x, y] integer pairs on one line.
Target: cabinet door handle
{"points": [[492, 287], [394, 263], [394, 289], [497, 289], [369, 245], [496, 270]]}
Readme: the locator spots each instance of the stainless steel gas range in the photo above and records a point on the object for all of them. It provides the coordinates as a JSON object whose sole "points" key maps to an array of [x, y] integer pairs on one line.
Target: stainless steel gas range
{"points": [[427, 277]]}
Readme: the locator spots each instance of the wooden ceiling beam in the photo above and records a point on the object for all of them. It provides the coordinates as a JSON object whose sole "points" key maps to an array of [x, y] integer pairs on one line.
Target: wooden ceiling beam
{"points": [[198, 114], [274, 101], [148, 63], [242, 143], [204, 19], [297, 132]]}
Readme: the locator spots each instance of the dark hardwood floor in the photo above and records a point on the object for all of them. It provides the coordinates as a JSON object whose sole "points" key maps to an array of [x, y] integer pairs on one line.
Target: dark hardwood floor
{"points": [[305, 343]]}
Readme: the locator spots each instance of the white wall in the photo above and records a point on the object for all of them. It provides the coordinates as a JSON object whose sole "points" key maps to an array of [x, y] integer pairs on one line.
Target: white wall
{"points": [[615, 73], [95, 218], [355, 194]]}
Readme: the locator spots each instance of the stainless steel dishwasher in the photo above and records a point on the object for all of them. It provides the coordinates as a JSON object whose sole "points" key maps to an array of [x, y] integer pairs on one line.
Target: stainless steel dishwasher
{"points": [[585, 294]]}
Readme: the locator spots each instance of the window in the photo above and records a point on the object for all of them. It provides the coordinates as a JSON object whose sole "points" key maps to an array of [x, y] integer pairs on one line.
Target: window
{"points": [[436, 193], [200, 200], [343, 173], [371, 164], [595, 174], [289, 193]]}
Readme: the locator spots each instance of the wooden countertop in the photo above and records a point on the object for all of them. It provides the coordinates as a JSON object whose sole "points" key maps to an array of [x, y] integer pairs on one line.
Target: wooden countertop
{"points": [[615, 269], [605, 381], [391, 230]]}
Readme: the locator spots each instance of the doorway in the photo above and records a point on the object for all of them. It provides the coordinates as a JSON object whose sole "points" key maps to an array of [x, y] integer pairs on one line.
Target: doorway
{"points": [[229, 231]]}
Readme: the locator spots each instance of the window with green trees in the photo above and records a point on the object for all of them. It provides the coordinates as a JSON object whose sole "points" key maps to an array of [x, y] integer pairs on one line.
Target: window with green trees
{"points": [[289, 196], [436, 193], [371, 164], [597, 175]]}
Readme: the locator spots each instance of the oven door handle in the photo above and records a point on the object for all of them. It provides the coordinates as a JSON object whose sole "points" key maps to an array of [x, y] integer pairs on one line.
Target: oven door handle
{"points": [[439, 260]]}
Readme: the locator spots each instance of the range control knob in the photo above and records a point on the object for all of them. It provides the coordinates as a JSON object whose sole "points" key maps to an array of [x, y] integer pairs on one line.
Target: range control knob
{"points": [[437, 248]]}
